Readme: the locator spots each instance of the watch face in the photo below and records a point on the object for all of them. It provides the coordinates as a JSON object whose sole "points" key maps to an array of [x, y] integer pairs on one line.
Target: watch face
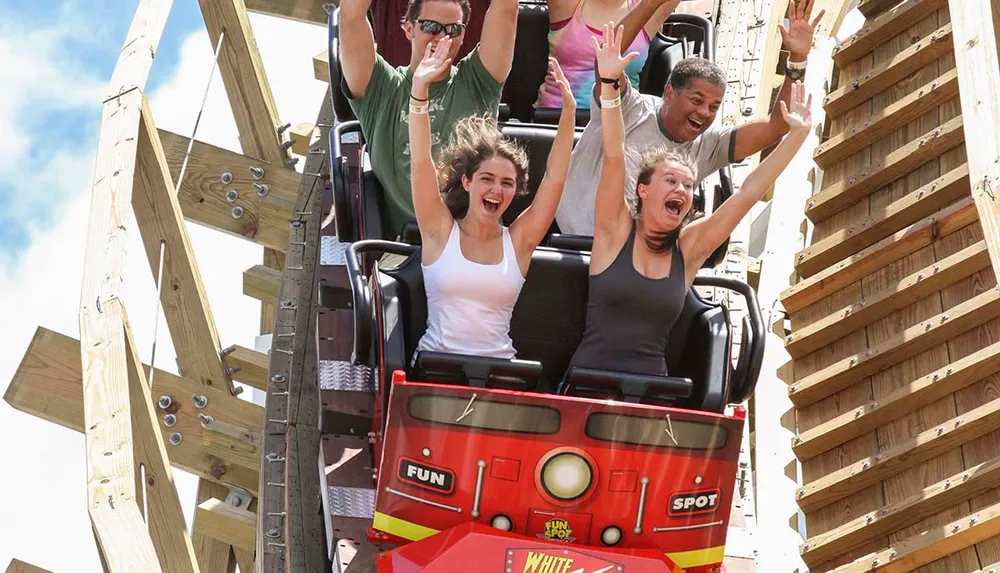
{"points": [[794, 74]]}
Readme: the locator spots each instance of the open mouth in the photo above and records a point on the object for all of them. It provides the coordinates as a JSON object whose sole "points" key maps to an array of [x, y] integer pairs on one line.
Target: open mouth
{"points": [[491, 205], [695, 124], [674, 206]]}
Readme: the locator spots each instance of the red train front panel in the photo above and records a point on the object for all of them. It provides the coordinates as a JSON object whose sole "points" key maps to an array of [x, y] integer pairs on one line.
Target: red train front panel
{"points": [[576, 470]]}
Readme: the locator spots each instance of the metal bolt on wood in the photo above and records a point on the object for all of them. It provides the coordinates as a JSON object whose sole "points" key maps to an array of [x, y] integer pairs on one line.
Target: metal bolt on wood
{"points": [[169, 420], [164, 402], [257, 172], [200, 401], [262, 189], [176, 438], [227, 178], [237, 212], [232, 195]]}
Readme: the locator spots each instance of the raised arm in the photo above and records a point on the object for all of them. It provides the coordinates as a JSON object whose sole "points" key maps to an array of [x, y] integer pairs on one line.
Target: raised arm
{"points": [[530, 227], [496, 46], [433, 217], [611, 216], [639, 17], [357, 46], [764, 132], [702, 237]]}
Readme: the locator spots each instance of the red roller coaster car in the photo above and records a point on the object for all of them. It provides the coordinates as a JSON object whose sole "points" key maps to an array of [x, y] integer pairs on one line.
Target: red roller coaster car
{"points": [[482, 466]]}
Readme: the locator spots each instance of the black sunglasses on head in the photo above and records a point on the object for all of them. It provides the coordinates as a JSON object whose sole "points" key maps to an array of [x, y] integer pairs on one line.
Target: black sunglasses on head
{"points": [[433, 27]]}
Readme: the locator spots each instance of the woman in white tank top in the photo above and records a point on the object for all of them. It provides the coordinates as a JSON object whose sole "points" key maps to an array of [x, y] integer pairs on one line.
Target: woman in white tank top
{"points": [[473, 266]]}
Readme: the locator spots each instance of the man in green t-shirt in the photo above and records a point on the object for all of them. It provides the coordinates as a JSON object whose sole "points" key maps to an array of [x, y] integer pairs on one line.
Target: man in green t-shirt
{"points": [[379, 94]]}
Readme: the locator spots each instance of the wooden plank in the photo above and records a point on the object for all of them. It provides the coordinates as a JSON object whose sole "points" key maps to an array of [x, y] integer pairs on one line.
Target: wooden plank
{"points": [[308, 11], [301, 137], [883, 222], [976, 480], [883, 28], [918, 393], [252, 366], [872, 8], [213, 555], [906, 62], [246, 83], [907, 343], [293, 392], [184, 302], [883, 123], [978, 66], [321, 66], [896, 164], [274, 260], [231, 525], [921, 447], [163, 513], [48, 384], [245, 559], [112, 489], [867, 261], [933, 544], [202, 195], [916, 286], [18, 566], [262, 283]]}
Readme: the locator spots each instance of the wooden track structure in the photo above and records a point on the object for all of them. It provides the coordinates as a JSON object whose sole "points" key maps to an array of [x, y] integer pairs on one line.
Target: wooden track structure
{"points": [[895, 316]]}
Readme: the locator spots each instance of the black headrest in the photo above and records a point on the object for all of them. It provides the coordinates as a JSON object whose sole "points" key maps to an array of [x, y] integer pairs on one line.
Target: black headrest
{"points": [[537, 139], [530, 63], [341, 107]]}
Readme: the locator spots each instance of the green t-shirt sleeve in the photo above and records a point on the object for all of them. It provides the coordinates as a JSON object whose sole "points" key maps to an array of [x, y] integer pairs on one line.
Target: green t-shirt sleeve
{"points": [[366, 107], [473, 75]]}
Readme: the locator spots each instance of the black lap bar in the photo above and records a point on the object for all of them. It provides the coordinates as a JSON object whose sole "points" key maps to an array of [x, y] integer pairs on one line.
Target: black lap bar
{"points": [[632, 387], [479, 371]]}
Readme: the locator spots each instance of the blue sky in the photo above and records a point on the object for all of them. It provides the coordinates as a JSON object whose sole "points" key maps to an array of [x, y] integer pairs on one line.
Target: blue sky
{"points": [[50, 113]]}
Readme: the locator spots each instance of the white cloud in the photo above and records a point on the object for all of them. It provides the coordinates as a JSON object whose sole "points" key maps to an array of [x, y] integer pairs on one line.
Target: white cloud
{"points": [[45, 497]]}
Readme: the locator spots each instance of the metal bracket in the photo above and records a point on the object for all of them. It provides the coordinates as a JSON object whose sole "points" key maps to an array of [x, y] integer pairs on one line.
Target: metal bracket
{"points": [[239, 497]]}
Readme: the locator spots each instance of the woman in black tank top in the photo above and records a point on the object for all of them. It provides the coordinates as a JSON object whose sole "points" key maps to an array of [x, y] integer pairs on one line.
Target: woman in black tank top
{"points": [[642, 267]]}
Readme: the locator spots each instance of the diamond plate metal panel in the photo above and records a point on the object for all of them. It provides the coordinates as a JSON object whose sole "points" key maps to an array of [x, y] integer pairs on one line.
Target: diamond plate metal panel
{"points": [[344, 376], [352, 501], [332, 252]]}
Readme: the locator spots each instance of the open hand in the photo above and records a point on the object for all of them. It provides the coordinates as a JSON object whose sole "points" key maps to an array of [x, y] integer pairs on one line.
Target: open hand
{"points": [[434, 62], [798, 37], [800, 114], [610, 62], [559, 78]]}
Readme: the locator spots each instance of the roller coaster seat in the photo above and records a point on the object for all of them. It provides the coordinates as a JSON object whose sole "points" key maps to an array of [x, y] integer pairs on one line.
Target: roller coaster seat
{"points": [[547, 325]]}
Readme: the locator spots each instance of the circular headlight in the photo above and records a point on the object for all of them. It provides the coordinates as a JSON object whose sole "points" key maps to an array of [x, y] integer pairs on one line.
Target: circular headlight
{"points": [[566, 476], [501, 522], [611, 535]]}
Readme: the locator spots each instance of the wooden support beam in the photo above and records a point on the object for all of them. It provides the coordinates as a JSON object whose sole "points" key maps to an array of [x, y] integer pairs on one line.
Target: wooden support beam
{"points": [[302, 137], [308, 11], [274, 260], [933, 544], [920, 448], [892, 248], [882, 77], [892, 117], [978, 66], [18, 566], [916, 286], [883, 28], [184, 302], [321, 66], [881, 223], [932, 499], [244, 558], [202, 195], [164, 516], [262, 283], [213, 555], [253, 366], [910, 342], [909, 398], [897, 164], [872, 8], [229, 524], [114, 488], [47, 384]]}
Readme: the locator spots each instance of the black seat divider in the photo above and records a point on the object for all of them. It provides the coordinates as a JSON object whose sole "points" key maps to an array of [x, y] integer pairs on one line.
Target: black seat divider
{"points": [[627, 386], [478, 371]]}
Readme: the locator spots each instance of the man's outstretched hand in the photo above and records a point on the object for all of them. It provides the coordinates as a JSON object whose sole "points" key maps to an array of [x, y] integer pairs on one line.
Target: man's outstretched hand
{"points": [[798, 36]]}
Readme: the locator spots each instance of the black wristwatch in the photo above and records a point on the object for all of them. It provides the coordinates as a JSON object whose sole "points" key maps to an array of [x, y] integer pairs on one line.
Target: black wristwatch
{"points": [[794, 75], [615, 83]]}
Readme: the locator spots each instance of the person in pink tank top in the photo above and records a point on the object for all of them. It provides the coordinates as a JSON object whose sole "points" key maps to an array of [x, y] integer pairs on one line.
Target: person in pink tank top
{"points": [[573, 27]]}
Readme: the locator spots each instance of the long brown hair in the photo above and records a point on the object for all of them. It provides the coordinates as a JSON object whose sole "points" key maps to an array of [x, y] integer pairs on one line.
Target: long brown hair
{"points": [[662, 242], [474, 140]]}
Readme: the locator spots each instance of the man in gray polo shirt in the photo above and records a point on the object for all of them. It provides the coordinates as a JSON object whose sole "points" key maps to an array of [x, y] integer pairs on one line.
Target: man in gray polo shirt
{"points": [[682, 118]]}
